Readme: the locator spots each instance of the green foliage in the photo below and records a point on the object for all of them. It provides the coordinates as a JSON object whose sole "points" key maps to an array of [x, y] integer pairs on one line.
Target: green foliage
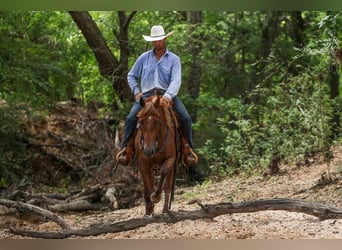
{"points": [[231, 46], [34, 57], [93, 87], [11, 149], [296, 118], [286, 112], [291, 120]]}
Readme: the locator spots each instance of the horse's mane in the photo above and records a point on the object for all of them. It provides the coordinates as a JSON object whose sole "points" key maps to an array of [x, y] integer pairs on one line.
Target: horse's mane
{"points": [[152, 107]]}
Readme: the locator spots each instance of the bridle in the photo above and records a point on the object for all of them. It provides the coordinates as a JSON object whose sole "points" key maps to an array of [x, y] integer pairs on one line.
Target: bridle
{"points": [[165, 139]]}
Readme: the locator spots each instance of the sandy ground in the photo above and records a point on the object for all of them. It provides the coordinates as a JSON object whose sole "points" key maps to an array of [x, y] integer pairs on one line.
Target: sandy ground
{"points": [[292, 182]]}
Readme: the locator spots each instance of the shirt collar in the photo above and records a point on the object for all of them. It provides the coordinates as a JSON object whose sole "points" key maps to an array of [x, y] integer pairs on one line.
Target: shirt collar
{"points": [[166, 52]]}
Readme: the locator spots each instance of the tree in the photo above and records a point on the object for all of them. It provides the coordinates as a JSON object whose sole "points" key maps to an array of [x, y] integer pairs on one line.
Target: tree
{"points": [[332, 27], [194, 19], [36, 61], [110, 67], [270, 31]]}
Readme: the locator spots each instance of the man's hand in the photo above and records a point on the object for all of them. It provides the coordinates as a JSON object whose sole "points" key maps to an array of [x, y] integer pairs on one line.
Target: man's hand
{"points": [[138, 96], [165, 102]]}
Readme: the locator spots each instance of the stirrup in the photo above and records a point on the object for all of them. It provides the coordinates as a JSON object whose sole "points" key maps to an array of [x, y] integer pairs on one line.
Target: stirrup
{"points": [[120, 153], [189, 158], [123, 156]]}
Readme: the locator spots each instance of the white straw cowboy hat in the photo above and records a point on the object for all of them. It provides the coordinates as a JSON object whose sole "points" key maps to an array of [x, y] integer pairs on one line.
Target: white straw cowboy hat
{"points": [[157, 33]]}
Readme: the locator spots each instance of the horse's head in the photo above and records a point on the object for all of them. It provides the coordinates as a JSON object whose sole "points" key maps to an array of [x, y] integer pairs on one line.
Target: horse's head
{"points": [[150, 124]]}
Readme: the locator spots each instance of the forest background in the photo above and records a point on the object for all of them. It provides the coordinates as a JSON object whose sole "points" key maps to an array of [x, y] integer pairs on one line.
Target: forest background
{"points": [[262, 87]]}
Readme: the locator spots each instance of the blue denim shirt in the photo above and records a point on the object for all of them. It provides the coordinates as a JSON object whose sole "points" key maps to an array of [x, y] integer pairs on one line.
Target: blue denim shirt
{"points": [[164, 74]]}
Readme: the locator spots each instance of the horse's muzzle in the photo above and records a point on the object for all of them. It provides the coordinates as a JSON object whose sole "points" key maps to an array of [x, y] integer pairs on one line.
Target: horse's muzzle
{"points": [[149, 151]]}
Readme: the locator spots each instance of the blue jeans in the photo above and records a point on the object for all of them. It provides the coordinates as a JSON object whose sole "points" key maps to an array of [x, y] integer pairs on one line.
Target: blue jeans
{"points": [[185, 120]]}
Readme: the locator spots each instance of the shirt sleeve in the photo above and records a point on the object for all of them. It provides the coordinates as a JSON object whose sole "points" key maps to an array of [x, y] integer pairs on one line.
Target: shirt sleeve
{"points": [[134, 75], [175, 79]]}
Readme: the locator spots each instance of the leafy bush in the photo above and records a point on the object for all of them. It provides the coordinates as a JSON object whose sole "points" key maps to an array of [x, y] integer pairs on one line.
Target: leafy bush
{"points": [[289, 120], [11, 149]]}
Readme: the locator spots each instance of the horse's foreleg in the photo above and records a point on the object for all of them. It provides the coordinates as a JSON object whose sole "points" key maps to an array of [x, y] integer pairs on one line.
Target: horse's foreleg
{"points": [[167, 190], [164, 172], [166, 202], [147, 179], [156, 195], [165, 184], [149, 205]]}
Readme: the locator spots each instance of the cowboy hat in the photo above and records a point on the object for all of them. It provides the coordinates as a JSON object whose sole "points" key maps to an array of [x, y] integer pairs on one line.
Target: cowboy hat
{"points": [[157, 33]]}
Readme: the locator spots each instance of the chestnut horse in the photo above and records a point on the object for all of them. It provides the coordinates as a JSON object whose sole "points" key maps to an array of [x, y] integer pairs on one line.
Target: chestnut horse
{"points": [[157, 150]]}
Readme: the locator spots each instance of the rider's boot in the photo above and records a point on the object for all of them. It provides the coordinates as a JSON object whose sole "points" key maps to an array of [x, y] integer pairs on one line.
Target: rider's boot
{"points": [[125, 155], [189, 157]]}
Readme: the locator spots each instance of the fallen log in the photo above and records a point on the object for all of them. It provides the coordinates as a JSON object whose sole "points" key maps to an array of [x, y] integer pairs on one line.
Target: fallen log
{"points": [[35, 209], [76, 205], [211, 211]]}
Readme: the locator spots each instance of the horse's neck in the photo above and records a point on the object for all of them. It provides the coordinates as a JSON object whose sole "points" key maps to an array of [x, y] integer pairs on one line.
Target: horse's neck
{"points": [[164, 121], [173, 118]]}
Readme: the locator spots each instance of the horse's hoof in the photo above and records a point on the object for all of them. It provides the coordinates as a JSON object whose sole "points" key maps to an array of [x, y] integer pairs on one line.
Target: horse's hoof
{"points": [[169, 212], [154, 198]]}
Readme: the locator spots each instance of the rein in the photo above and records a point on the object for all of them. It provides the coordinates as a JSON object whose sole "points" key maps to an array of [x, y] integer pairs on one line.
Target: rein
{"points": [[166, 140]]}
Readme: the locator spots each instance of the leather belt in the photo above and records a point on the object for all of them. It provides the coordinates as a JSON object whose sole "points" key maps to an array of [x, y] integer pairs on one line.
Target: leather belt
{"points": [[155, 91]]}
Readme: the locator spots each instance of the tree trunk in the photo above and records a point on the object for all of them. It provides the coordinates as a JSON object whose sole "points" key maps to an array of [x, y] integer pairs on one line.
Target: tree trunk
{"points": [[334, 83], [120, 75], [269, 33], [298, 29], [195, 47], [105, 58], [297, 34], [110, 67]]}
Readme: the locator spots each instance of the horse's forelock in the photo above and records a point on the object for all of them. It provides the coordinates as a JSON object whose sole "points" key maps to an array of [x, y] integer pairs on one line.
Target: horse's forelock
{"points": [[153, 107], [147, 110]]}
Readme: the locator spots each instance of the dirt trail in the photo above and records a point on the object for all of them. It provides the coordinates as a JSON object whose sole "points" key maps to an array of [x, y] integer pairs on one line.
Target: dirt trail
{"points": [[305, 182]]}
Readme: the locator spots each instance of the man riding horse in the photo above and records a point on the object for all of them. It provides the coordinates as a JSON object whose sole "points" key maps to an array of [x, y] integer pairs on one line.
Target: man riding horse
{"points": [[159, 72]]}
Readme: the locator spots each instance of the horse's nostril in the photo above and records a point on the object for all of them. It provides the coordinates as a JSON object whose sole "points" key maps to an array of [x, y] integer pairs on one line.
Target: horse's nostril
{"points": [[149, 152]]}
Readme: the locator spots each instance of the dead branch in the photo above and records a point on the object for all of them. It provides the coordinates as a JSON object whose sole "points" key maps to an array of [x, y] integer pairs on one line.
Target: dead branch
{"points": [[76, 205], [40, 211], [318, 210]]}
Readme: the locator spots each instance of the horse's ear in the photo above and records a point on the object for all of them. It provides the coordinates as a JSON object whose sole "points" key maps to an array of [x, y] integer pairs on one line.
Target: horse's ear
{"points": [[142, 102]]}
